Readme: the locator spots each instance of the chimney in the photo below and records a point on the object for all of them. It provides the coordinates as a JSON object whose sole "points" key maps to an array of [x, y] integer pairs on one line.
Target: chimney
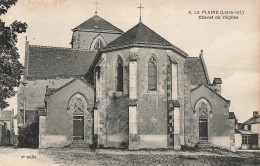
{"points": [[217, 85], [255, 113], [26, 59]]}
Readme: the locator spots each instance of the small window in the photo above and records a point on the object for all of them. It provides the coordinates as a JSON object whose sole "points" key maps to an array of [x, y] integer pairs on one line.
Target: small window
{"points": [[244, 139], [99, 44], [120, 75], [152, 74], [249, 127]]}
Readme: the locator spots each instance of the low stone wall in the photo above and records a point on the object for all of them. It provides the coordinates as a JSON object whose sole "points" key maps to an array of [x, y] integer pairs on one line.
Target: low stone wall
{"points": [[221, 141], [47, 141]]}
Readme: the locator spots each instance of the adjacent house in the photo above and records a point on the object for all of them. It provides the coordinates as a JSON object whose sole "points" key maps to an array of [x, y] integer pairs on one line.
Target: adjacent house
{"points": [[247, 133]]}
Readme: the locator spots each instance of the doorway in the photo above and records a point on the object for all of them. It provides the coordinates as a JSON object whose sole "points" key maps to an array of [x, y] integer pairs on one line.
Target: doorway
{"points": [[78, 127], [203, 130]]}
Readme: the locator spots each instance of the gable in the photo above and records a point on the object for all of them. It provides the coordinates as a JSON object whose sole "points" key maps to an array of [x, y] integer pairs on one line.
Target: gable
{"points": [[51, 91], [204, 91]]}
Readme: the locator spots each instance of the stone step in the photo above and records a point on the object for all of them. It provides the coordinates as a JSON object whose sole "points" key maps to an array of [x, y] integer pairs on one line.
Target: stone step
{"points": [[203, 145], [78, 144]]}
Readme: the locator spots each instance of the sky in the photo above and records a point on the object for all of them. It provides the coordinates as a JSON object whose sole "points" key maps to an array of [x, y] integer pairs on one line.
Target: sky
{"points": [[230, 47]]}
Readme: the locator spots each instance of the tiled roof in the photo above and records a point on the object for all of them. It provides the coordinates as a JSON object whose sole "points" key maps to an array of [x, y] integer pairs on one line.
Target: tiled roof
{"points": [[6, 115], [57, 61], [194, 68], [142, 35], [253, 120], [97, 23]]}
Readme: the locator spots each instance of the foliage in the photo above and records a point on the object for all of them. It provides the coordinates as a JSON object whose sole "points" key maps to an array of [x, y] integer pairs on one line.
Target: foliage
{"points": [[10, 67], [28, 136]]}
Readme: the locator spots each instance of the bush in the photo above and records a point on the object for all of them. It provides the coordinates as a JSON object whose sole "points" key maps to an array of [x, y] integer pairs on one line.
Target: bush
{"points": [[28, 136]]}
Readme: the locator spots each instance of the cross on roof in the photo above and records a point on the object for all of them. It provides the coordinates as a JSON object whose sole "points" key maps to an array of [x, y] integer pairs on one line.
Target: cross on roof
{"points": [[140, 7], [96, 7]]}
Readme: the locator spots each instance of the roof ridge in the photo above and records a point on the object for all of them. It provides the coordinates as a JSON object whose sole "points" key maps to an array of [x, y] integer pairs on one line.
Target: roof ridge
{"points": [[193, 57], [64, 48], [137, 31], [197, 87]]}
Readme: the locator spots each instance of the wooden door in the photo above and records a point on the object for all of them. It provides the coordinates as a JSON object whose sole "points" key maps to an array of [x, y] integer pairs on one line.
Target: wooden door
{"points": [[203, 129], [78, 127]]}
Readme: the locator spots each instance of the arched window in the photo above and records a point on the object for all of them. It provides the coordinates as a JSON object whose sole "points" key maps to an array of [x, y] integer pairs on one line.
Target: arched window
{"points": [[203, 109], [77, 106], [120, 74], [152, 74], [99, 44]]}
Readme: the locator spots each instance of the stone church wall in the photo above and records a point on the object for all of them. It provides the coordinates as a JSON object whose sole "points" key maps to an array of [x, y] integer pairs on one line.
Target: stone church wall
{"points": [[113, 112], [84, 39], [151, 105], [218, 133], [59, 122]]}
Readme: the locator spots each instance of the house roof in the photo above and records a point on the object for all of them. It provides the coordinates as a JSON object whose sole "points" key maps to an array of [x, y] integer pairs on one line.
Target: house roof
{"points": [[47, 61], [6, 115], [253, 120], [141, 35], [97, 23], [195, 68], [194, 89], [246, 132]]}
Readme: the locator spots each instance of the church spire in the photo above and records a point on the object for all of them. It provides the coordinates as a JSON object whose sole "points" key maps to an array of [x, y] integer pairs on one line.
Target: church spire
{"points": [[140, 7], [96, 7]]}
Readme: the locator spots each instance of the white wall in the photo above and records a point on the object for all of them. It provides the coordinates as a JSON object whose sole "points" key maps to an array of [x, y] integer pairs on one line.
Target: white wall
{"points": [[238, 140]]}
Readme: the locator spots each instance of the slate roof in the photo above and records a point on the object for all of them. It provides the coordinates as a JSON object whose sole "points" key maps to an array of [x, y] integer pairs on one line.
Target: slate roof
{"points": [[142, 35], [97, 23], [6, 115], [253, 120], [57, 61], [195, 68]]}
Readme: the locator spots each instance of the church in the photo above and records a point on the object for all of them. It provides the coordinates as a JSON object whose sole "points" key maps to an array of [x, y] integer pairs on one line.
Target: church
{"points": [[115, 89]]}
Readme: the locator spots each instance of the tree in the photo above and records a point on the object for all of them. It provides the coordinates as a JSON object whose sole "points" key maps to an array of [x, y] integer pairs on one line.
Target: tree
{"points": [[10, 67]]}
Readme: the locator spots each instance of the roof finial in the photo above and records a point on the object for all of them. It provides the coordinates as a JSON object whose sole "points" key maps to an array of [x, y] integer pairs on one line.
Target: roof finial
{"points": [[201, 52], [96, 7], [140, 7]]}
